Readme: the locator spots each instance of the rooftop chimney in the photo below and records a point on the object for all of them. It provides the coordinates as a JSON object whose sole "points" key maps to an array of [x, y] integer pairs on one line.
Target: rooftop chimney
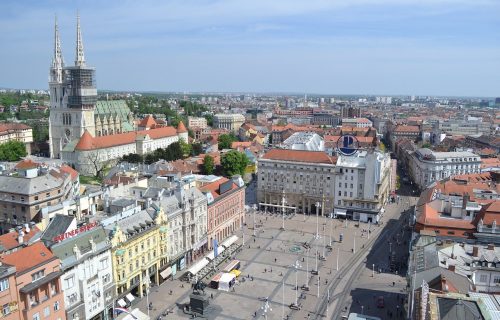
{"points": [[20, 237], [491, 246], [451, 267], [27, 228], [444, 284], [475, 251]]}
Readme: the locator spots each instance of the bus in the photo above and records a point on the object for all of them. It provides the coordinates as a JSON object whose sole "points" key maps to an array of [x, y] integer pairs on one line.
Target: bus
{"points": [[233, 265]]}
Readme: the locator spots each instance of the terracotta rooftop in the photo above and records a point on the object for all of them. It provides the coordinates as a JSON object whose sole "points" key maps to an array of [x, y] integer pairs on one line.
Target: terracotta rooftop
{"points": [[402, 128], [181, 128], [26, 164], [87, 142], [13, 126], [430, 217], [148, 122], [237, 144], [299, 156], [213, 187], [10, 241], [28, 257], [67, 169], [489, 213]]}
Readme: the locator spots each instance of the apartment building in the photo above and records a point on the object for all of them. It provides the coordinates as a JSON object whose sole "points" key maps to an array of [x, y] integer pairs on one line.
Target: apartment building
{"points": [[300, 179], [427, 166], [16, 132], [197, 122], [37, 281]]}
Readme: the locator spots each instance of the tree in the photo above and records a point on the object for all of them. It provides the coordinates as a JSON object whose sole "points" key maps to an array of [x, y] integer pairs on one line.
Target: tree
{"points": [[208, 165], [133, 158], [225, 141], [12, 151], [234, 162], [186, 148], [197, 148], [382, 147], [95, 162]]}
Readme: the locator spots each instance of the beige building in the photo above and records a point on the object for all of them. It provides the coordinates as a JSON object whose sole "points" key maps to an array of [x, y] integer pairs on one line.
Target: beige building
{"points": [[16, 132], [197, 122], [231, 122], [303, 178], [24, 193]]}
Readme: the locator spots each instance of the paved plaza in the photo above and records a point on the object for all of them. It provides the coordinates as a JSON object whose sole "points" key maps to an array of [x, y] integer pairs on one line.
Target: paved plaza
{"points": [[268, 272]]}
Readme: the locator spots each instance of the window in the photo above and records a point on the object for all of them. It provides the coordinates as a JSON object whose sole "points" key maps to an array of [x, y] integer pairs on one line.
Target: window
{"points": [[46, 312], [106, 278], [340, 193], [103, 264], [5, 309], [37, 275], [69, 282], [496, 279], [36, 316], [483, 278], [4, 284]]}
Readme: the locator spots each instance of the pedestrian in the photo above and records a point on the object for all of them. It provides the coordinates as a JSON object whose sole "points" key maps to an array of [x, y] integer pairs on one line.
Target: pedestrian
{"points": [[271, 269], [170, 292], [265, 270], [275, 260], [212, 295], [254, 240]]}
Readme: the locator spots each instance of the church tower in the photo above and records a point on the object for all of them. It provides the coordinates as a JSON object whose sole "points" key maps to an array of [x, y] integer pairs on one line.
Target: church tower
{"points": [[73, 97]]}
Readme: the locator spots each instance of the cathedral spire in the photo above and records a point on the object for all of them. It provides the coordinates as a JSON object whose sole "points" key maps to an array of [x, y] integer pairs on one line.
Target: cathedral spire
{"points": [[80, 56], [57, 61]]}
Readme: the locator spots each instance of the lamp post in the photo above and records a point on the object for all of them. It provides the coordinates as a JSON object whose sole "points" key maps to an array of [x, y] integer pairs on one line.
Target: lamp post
{"points": [[338, 253], [306, 284], [283, 209], [318, 205], [147, 283], [283, 298], [317, 296], [254, 209], [373, 270], [331, 230], [354, 247], [296, 265]]}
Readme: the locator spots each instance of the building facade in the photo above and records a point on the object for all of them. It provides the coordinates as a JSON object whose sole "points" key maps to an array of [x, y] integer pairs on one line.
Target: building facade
{"points": [[427, 166], [226, 208], [138, 249], [87, 279], [197, 122], [303, 180], [231, 122], [16, 132], [9, 297], [37, 282], [357, 122], [362, 185]]}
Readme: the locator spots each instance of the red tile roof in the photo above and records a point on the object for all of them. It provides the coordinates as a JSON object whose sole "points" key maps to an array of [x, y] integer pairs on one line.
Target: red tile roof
{"points": [[87, 142], [28, 257], [67, 169], [299, 156], [148, 122], [401, 128], [489, 213], [213, 187], [430, 217], [9, 241], [13, 126], [26, 164], [181, 128]]}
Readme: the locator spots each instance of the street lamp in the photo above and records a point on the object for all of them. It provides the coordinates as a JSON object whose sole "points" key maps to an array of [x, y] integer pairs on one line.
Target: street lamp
{"points": [[147, 283], [317, 296], [338, 253], [254, 209], [283, 209], [318, 205], [354, 247], [296, 265], [306, 284]]}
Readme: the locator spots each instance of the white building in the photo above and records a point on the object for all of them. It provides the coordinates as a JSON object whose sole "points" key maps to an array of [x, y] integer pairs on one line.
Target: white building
{"points": [[357, 122], [427, 166], [304, 178], [87, 281], [467, 127], [308, 141], [362, 185], [231, 122], [197, 122]]}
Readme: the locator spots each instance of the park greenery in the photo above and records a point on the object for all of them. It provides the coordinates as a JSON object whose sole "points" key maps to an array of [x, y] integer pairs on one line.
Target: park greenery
{"points": [[175, 151], [12, 151], [234, 162]]}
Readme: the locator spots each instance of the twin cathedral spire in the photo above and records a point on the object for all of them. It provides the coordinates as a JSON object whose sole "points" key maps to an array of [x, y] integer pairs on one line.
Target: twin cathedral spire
{"points": [[58, 61]]}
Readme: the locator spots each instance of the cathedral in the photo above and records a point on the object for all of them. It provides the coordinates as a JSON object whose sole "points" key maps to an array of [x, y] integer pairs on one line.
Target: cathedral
{"points": [[87, 133], [74, 107]]}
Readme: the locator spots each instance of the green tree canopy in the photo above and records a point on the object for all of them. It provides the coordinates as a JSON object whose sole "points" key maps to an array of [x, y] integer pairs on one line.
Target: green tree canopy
{"points": [[234, 162], [208, 165], [225, 141], [12, 151]]}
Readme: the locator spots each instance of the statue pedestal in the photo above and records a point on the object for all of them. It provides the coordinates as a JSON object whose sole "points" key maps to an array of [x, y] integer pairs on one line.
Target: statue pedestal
{"points": [[198, 303]]}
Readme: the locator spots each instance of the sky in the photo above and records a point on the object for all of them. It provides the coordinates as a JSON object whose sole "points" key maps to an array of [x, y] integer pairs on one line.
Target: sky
{"points": [[376, 47]]}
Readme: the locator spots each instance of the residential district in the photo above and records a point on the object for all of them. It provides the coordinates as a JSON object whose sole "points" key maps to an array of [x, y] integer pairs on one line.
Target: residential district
{"points": [[239, 206]]}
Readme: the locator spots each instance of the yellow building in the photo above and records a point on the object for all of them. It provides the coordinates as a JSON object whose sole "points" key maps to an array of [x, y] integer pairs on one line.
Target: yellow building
{"points": [[139, 251]]}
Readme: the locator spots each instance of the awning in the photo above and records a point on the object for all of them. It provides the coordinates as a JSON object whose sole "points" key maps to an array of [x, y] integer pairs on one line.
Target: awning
{"points": [[340, 212], [198, 266], [130, 297], [211, 257], [229, 241], [121, 303], [166, 273], [135, 314]]}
